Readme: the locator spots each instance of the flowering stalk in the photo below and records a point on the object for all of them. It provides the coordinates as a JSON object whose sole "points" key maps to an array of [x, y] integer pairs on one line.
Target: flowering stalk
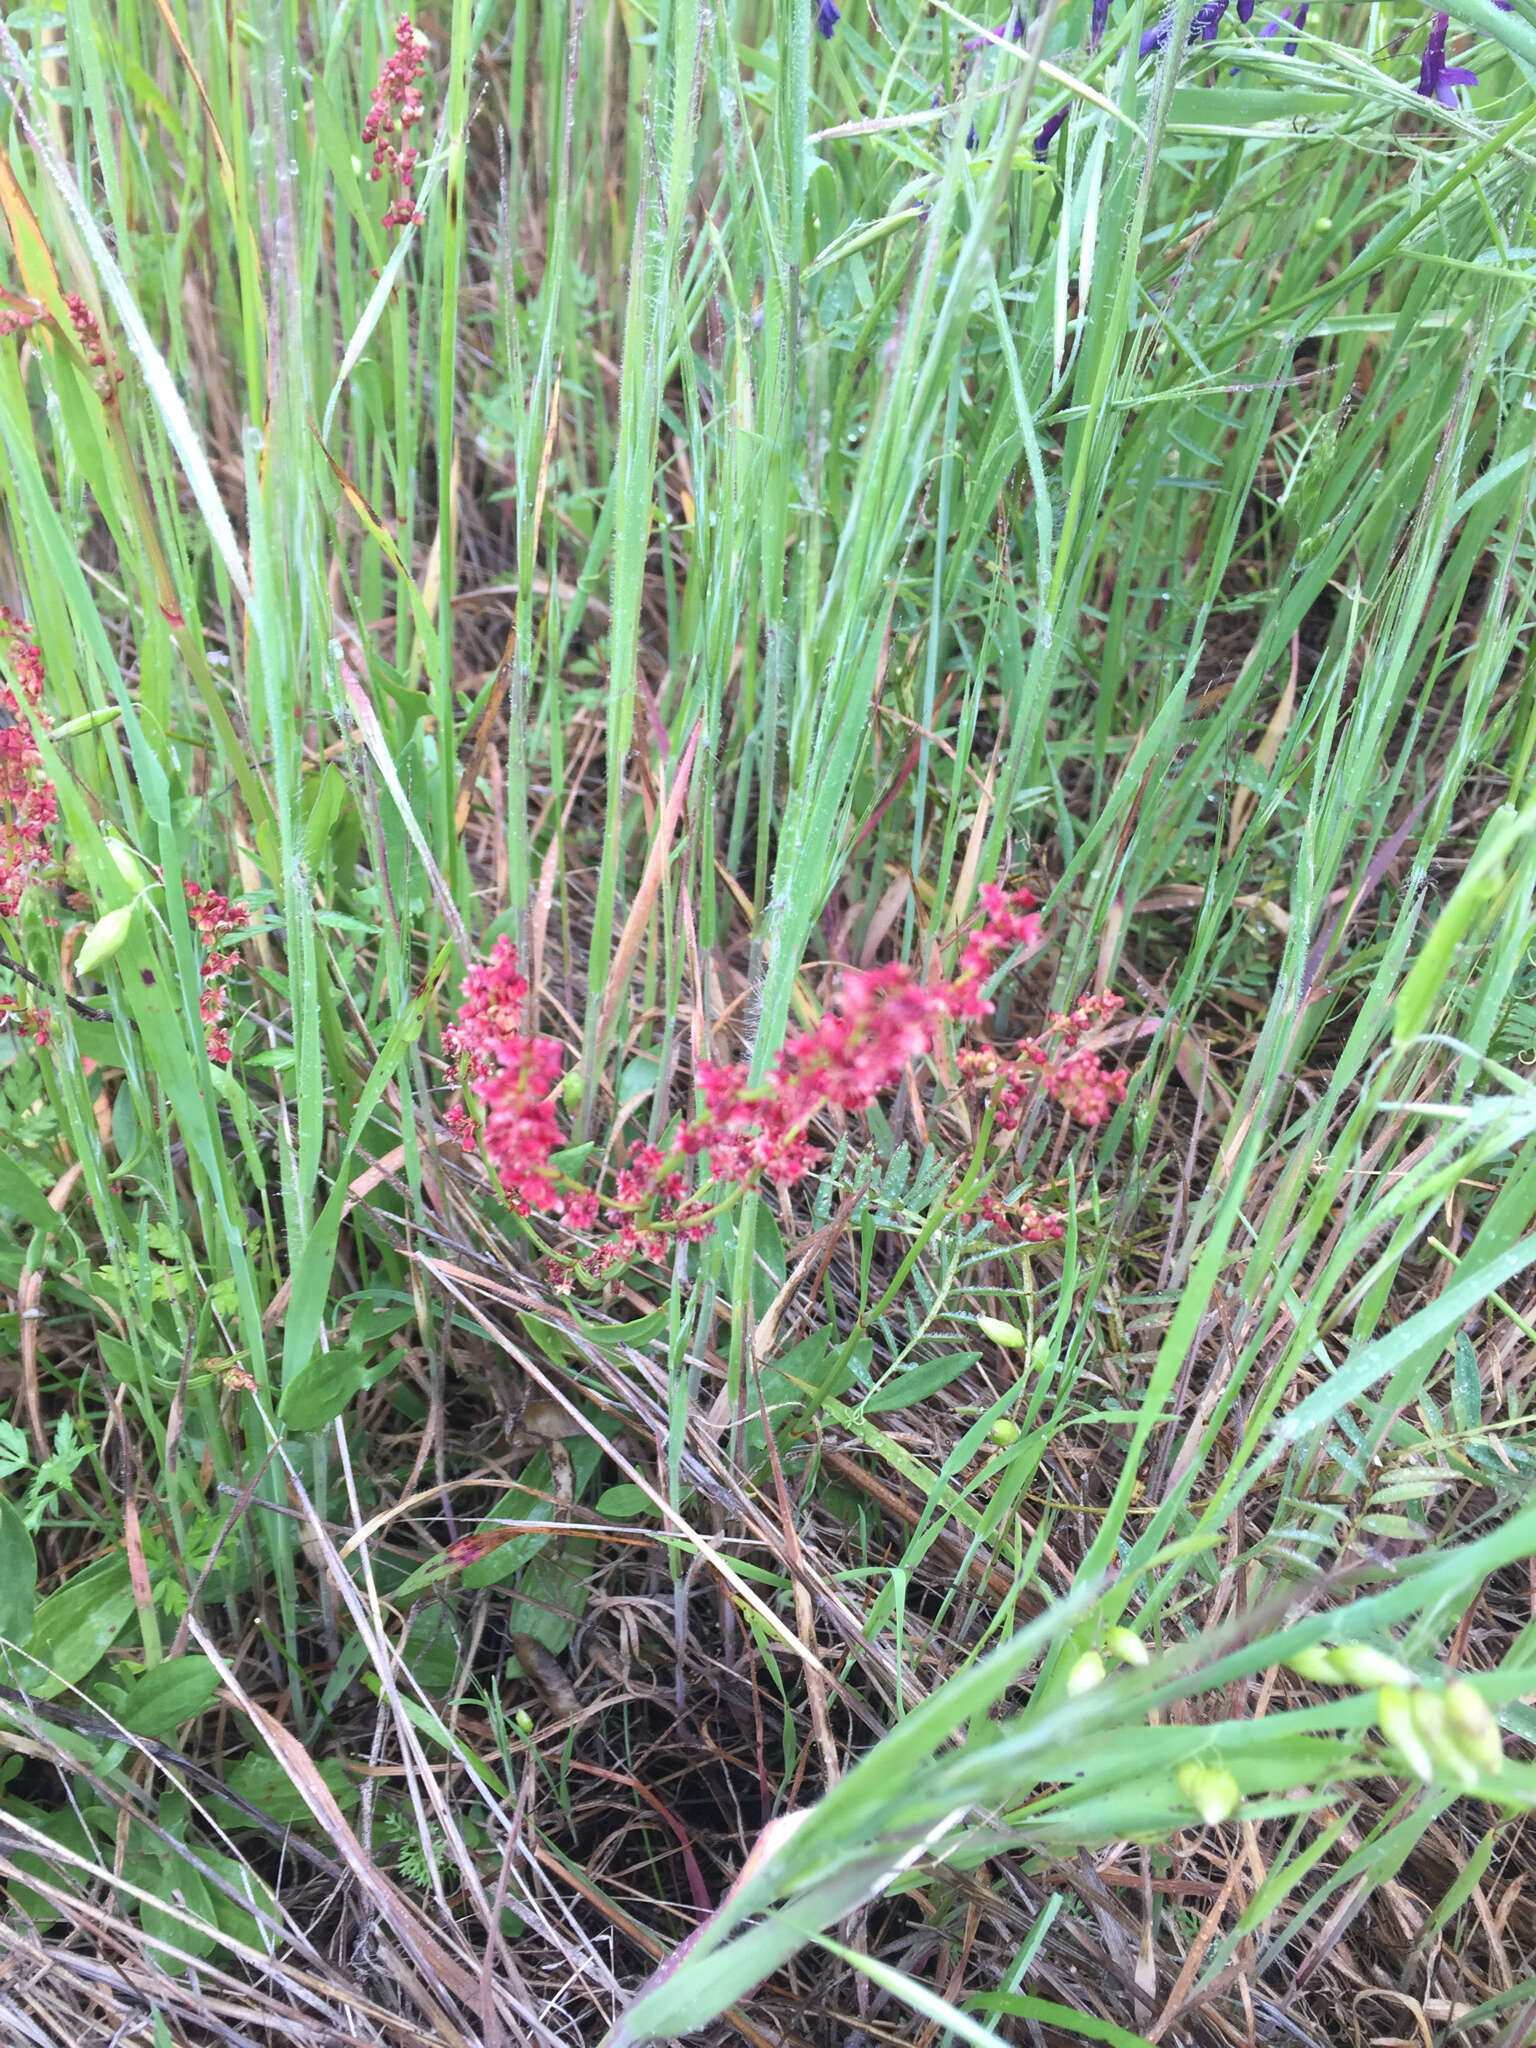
{"points": [[28, 803], [215, 919], [395, 109]]}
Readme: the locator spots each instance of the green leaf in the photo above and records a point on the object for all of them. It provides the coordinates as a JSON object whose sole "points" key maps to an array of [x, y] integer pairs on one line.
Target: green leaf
{"points": [[311, 1274], [530, 1501], [552, 1594], [1048, 2013], [320, 1390], [325, 798], [76, 1626], [1234, 110], [617, 1336], [19, 1192], [625, 1503], [907, 1388], [1466, 1384], [233, 1919], [261, 1781], [170, 1694], [1482, 882], [187, 1922], [67, 1829], [18, 1576]]}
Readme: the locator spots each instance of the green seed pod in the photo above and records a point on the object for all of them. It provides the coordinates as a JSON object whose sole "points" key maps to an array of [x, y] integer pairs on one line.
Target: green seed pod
{"points": [[523, 1721], [1315, 1663], [106, 937], [1009, 1335], [1085, 1674], [1358, 1664], [1004, 1432], [1213, 1792], [1394, 1717], [1129, 1648], [126, 861]]}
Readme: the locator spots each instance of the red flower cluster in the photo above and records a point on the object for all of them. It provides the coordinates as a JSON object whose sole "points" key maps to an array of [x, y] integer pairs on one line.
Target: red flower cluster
{"points": [[395, 109], [880, 1023], [884, 1020], [88, 334], [1009, 920], [214, 919], [28, 804], [32, 1021], [17, 315], [1074, 1076], [1069, 1073], [1024, 1221], [512, 1074]]}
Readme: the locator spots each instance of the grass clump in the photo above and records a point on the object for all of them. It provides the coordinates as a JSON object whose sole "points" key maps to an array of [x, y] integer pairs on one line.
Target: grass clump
{"points": [[765, 907]]}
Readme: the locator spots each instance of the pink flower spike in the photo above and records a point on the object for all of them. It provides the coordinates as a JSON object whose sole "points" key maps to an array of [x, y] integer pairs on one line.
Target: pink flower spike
{"points": [[28, 802], [513, 1074], [394, 111]]}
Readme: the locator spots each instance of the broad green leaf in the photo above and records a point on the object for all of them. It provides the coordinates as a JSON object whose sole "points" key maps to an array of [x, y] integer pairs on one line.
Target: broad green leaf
{"points": [[262, 1782], [320, 1390], [75, 1627], [18, 1576], [18, 1191], [906, 1389], [65, 1827], [168, 1695]]}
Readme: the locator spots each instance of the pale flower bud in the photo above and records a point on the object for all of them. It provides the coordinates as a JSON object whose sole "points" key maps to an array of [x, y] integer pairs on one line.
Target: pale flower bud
{"points": [[1085, 1674], [1129, 1648], [1428, 1712], [1214, 1793], [1394, 1717], [1316, 1663], [1358, 1664], [1009, 1335], [1471, 1726], [126, 861], [105, 938]]}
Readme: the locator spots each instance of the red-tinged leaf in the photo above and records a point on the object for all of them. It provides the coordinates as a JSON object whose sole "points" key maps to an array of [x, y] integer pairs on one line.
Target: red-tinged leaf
{"points": [[469, 1550]]}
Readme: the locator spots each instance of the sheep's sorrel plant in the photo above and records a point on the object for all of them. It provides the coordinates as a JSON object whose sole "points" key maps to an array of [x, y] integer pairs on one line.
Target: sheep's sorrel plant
{"points": [[639, 1396], [881, 1021]]}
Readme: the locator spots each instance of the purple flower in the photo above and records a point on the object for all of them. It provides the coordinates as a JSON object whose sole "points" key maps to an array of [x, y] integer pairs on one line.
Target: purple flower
{"points": [[1285, 15], [995, 35], [1245, 10], [1048, 134], [1437, 79], [1098, 22], [827, 18], [1202, 29]]}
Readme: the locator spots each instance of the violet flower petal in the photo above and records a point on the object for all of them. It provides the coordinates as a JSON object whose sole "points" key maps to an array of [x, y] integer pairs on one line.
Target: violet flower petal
{"points": [[1048, 134]]}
